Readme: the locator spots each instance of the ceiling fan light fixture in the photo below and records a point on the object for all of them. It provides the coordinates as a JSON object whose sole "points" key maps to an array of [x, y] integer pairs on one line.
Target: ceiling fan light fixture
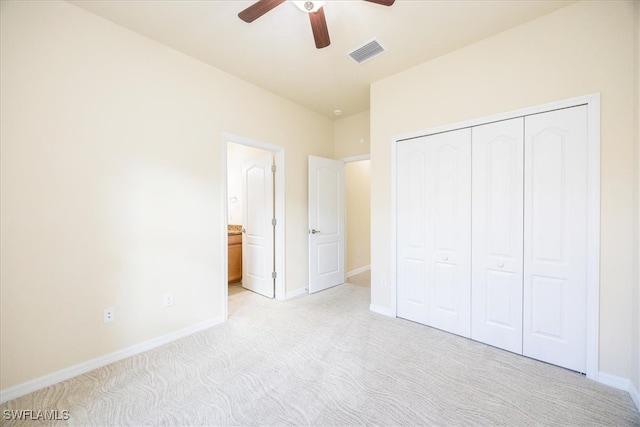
{"points": [[309, 6], [313, 9]]}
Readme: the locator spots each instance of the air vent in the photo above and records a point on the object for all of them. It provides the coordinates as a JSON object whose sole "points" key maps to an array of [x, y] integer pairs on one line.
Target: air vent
{"points": [[367, 51]]}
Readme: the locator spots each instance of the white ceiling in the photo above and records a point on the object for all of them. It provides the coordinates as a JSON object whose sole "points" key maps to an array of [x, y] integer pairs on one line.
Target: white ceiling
{"points": [[277, 52]]}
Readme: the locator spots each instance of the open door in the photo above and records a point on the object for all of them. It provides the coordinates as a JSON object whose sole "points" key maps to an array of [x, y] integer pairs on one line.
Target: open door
{"points": [[326, 223], [258, 214]]}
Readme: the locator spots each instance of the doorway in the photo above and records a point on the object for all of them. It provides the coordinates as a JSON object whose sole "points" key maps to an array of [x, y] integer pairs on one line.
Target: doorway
{"points": [[358, 217], [239, 271], [339, 221]]}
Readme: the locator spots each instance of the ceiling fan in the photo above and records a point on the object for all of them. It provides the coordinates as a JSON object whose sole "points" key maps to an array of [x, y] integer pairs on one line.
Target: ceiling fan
{"points": [[313, 8]]}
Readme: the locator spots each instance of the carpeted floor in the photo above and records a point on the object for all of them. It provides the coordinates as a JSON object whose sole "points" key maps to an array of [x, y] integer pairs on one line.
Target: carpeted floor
{"points": [[325, 359]]}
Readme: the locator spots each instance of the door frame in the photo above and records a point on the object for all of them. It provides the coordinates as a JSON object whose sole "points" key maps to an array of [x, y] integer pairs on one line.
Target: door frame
{"points": [[279, 205], [593, 209]]}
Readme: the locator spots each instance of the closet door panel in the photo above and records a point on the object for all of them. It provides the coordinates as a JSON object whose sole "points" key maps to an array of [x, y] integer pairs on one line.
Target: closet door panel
{"points": [[434, 230], [497, 230], [411, 231], [555, 237]]}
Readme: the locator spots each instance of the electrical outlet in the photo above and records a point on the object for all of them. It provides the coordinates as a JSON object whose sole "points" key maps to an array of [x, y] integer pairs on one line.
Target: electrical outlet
{"points": [[383, 282], [109, 314], [168, 299]]}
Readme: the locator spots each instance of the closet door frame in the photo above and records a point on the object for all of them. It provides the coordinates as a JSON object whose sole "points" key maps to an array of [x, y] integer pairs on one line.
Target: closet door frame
{"points": [[592, 101]]}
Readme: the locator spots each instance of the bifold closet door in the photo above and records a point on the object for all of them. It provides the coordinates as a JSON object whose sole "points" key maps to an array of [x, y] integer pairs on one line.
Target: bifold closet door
{"points": [[434, 230], [497, 230], [555, 237]]}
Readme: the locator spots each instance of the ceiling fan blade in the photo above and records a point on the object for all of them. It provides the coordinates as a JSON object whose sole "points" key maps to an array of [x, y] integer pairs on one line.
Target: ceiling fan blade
{"points": [[258, 9], [319, 28], [382, 2]]}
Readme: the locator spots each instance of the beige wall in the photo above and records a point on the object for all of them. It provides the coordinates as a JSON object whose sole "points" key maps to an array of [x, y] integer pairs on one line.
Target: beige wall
{"points": [[358, 191], [112, 186], [347, 134], [584, 48], [636, 343]]}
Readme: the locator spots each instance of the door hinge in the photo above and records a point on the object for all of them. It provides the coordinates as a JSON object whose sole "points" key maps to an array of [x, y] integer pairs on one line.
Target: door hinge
{"points": [[273, 168], [274, 275], [274, 222]]}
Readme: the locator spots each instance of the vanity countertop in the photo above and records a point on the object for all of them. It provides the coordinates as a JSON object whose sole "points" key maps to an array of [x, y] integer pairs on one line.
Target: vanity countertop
{"points": [[234, 229]]}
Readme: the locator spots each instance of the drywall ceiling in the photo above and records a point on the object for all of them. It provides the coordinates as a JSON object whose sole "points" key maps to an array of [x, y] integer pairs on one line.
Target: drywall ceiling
{"points": [[277, 52]]}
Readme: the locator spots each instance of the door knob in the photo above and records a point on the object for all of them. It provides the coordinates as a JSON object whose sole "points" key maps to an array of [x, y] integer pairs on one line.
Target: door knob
{"points": [[500, 264], [314, 231], [446, 258]]}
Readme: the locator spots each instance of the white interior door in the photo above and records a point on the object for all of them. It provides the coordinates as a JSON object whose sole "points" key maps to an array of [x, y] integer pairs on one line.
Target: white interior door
{"points": [[497, 227], [326, 223], [258, 213], [555, 236], [434, 230]]}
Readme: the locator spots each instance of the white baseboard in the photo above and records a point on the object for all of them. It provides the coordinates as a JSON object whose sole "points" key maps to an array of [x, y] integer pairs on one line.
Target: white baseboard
{"points": [[381, 310], [358, 270], [613, 381], [73, 371], [635, 395], [295, 293], [621, 384]]}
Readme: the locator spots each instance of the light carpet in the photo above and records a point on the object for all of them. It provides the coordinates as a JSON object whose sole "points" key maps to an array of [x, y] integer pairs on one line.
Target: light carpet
{"points": [[325, 359]]}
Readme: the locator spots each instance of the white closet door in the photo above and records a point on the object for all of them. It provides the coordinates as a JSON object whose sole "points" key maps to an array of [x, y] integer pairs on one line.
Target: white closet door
{"points": [[411, 182], [555, 236], [496, 290], [434, 230]]}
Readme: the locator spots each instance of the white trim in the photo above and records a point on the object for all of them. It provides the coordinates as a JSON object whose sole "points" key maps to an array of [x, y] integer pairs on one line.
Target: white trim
{"points": [[613, 381], [358, 270], [620, 383], [393, 267], [557, 105], [281, 287], [635, 395], [356, 158], [224, 242], [593, 220], [295, 293], [381, 310], [84, 367], [279, 188], [593, 237]]}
